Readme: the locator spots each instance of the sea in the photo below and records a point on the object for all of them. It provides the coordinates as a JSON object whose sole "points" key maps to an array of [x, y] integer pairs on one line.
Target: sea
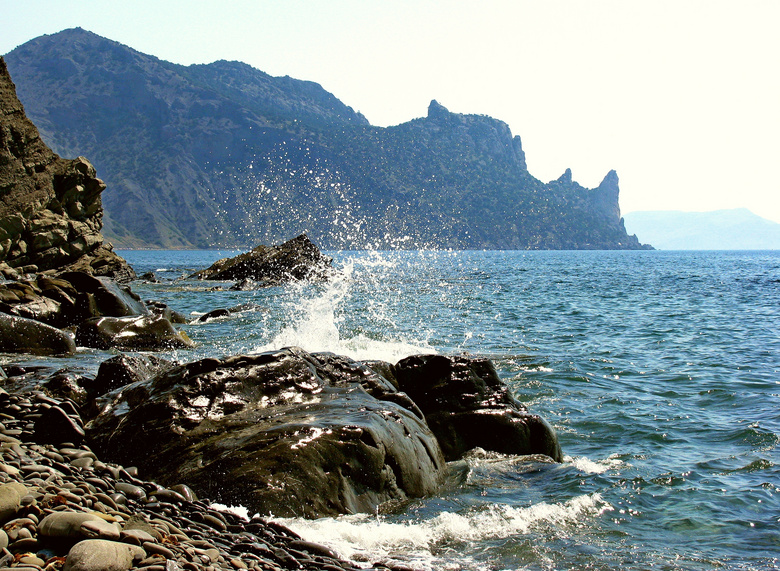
{"points": [[659, 370]]}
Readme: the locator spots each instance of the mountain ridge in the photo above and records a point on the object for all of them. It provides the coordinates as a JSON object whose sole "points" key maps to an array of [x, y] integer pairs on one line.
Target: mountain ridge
{"points": [[222, 154], [725, 229]]}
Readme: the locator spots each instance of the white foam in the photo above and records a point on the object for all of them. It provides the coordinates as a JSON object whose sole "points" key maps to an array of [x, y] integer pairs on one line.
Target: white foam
{"points": [[589, 466], [367, 538]]}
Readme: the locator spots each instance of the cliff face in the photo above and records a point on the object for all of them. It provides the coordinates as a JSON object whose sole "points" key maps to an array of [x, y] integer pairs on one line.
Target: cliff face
{"points": [[224, 155], [50, 208]]}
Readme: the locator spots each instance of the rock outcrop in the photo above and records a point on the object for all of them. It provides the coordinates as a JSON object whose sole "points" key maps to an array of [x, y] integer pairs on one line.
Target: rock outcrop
{"points": [[50, 208], [286, 432], [264, 266], [467, 406]]}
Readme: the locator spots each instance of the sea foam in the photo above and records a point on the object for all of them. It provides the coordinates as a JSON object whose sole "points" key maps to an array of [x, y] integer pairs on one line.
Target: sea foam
{"points": [[369, 538]]}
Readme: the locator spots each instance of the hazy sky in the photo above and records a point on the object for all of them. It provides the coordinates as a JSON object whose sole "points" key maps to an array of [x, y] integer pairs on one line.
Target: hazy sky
{"points": [[680, 97]]}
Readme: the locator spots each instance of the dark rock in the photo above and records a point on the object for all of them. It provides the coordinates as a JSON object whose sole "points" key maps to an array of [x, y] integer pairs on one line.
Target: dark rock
{"points": [[162, 309], [139, 333], [104, 296], [51, 213], [67, 385], [295, 260], [214, 314], [124, 369], [466, 406], [286, 432], [55, 426], [21, 335]]}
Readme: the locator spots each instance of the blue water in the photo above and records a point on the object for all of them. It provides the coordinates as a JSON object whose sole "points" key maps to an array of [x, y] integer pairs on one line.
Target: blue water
{"points": [[659, 370]]}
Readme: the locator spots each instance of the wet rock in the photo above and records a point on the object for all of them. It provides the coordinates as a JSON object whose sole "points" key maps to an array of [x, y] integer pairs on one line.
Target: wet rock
{"points": [[22, 335], [68, 299], [56, 426], [162, 309], [123, 370], [287, 432], [214, 314], [467, 406], [144, 333], [104, 297], [295, 260]]}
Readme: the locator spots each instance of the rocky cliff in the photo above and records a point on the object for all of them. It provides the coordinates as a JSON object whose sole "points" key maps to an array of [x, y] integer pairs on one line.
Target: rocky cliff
{"points": [[50, 208], [226, 155]]}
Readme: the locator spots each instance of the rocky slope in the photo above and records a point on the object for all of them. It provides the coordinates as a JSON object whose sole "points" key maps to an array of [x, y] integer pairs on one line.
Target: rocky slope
{"points": [[225, 155], [50, 208]]}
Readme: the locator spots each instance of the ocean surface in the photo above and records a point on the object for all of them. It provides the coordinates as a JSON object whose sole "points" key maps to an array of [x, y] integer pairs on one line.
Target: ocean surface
{"points": [[660, 372]]}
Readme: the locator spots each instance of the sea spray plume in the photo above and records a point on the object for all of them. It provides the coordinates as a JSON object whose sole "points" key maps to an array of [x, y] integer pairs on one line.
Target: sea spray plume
{"points": [[351, 314]]}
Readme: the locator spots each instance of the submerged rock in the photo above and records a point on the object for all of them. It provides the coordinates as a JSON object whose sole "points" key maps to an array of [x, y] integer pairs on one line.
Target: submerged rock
{"points": [[295, 260], [286, 432], [467, 406]]}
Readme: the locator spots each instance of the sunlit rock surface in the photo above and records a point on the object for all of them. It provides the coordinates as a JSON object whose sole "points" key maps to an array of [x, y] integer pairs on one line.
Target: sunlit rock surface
{"points": [[286, 432], [51, 214]]}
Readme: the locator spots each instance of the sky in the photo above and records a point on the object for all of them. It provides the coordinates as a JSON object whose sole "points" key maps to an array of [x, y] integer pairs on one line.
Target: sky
{"points": [[680, 97]]}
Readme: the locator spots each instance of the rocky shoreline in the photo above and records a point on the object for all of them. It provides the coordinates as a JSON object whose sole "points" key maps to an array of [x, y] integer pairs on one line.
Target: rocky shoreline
{"points": [[61, 507], [287, 432]]}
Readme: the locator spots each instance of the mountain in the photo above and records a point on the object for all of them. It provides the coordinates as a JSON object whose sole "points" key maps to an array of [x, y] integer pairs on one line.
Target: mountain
{"points": [[737, 229], [223, 155]]}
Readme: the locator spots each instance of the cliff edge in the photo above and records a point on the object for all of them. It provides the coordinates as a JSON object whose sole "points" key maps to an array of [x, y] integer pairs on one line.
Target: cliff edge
{"points": [[51, 213]]}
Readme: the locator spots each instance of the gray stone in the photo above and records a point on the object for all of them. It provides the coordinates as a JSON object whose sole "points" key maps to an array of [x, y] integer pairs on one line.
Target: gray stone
{"points": [[11, 495], [102, 555], [66, 525]]}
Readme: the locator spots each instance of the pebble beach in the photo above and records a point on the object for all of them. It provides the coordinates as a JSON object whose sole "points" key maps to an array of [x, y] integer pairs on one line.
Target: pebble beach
{"points": [[61, 507]]}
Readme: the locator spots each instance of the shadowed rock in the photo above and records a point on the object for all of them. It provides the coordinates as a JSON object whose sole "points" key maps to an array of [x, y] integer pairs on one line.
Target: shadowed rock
{"points": [[466, 406], [21, 335], [51, 214]]}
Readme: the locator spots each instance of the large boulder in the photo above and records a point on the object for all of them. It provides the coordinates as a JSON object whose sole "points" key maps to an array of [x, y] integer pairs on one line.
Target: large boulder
{"points": [[295, 260], [133, 333], [69, 298], [21, 335], [51, 214], [286, 432], [467, 406]]}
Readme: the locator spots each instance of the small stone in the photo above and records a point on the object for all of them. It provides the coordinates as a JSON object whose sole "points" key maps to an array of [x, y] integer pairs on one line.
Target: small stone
{"points": [[100, 529], [156, 548], [136, 536], [56, 426], [32, 560], [11, 495]]}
